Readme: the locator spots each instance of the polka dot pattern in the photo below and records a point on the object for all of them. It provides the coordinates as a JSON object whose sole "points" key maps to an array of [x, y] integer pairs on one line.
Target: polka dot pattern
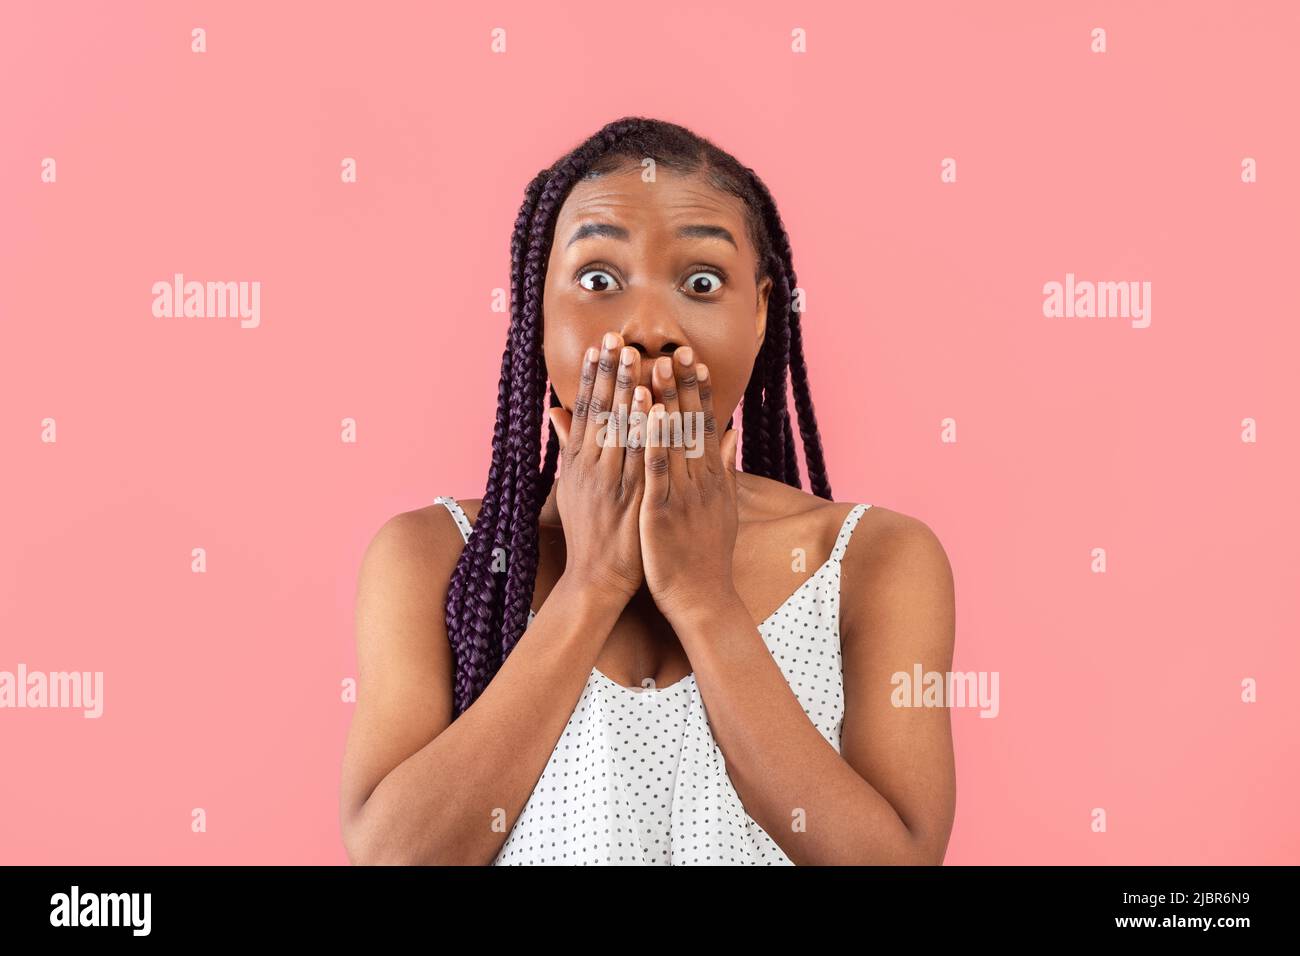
{"points": [[637, 778]]}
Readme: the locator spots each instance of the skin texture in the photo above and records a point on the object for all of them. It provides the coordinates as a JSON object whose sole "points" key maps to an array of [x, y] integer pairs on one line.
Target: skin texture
{"points": [[653, 565]]}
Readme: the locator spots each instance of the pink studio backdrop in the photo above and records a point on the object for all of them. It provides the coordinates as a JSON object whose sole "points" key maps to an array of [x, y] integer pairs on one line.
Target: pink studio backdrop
{"points": [[222, 690]]}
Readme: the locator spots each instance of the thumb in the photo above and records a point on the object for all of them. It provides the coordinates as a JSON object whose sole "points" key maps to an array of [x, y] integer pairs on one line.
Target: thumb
{"points": [[728, 448], [561, 419]]}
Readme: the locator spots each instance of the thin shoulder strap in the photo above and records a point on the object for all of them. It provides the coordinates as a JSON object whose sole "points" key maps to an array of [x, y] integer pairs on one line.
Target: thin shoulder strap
{"points": [[457, 512], [846, 531]]}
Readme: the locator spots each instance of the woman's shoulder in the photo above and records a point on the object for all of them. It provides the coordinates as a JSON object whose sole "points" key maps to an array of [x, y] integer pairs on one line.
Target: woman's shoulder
{"points": [[421, 538], [469, 505], [881, 538], [785, 509], [777, 502], [896, 582], [893, 565], [440, 514]]}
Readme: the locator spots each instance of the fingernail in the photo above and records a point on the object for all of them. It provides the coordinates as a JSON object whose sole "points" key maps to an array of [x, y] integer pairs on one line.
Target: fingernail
{"points": [[702, 372], [611, 340], [665, 367], [627, 355], [685, 355], [641, 394], [592, 354]]}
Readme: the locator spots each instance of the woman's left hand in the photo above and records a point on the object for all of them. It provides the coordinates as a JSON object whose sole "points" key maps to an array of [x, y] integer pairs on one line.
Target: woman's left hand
{"points": [[688, 508]]}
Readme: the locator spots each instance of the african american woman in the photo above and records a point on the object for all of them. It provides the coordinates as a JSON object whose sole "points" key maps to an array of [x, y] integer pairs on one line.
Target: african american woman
{"points": [[631, 650]]}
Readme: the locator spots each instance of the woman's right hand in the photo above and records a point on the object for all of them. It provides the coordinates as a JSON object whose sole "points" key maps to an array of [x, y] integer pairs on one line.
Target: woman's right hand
{"points": [[600, 484]]}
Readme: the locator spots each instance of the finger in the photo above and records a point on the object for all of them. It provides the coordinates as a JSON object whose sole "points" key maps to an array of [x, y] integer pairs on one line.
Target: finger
{"points": [[688, 400], [582, 402], [634, 455], [629, 371], [602, 396], [712, 447], [656, 457], [665, 385]]}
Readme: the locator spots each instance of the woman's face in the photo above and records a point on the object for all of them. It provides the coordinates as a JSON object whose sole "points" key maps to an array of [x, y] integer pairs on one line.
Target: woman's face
{"points": [[664, 264]]}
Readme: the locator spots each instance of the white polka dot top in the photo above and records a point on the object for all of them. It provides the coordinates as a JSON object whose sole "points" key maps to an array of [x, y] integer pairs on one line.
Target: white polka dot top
{"points": [[637, 777]]}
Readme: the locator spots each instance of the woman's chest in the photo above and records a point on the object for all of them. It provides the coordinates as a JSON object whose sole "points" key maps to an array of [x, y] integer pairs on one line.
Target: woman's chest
{"points": [[643, 650]]}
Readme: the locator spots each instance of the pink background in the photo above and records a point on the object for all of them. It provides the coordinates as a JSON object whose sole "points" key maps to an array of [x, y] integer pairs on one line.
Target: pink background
{"points": [[222, 690]]}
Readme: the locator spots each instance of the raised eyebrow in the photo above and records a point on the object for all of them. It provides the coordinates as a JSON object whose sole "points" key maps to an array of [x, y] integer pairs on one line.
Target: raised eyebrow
{"points": [[707, 232], [611, 231], [605, 229]]}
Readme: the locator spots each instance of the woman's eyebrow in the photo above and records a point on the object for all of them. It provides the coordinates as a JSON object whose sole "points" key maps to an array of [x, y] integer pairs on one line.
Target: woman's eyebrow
{"points": [[589, 229], [610, 230], [707, 232]]}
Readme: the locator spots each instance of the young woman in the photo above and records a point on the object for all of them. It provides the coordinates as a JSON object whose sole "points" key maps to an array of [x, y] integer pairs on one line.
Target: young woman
{"points": [[653, 657]]}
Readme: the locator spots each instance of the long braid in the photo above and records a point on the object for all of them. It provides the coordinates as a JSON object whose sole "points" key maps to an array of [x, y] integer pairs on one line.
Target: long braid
{"points": [[552, 450], [769, 439], [487, 611], [780, 400], [473, 606], [754, 450], [808, 431]]}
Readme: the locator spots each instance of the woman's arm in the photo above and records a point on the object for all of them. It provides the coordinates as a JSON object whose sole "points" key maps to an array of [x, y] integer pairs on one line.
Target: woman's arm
{"points": [[418, 788], [889, 796]]}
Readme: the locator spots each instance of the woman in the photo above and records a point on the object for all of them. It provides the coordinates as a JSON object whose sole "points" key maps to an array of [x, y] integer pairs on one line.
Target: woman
{"points": [[569, 669]]}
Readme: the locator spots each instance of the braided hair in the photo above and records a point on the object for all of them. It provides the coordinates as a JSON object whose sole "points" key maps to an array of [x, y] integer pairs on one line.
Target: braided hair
{"points": [[487, 610]]}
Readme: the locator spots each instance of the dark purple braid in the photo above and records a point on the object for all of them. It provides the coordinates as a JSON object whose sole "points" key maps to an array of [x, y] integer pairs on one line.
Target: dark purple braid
{"points": [[487, 610], [791, 355]]}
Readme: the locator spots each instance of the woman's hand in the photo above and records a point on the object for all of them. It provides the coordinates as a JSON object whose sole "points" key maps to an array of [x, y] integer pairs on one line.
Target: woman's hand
{"points": [[600, 484], [688, 510]]}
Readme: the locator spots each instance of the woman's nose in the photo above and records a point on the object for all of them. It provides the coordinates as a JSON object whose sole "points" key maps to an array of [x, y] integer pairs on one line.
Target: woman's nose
{"points": [[652, 332]]}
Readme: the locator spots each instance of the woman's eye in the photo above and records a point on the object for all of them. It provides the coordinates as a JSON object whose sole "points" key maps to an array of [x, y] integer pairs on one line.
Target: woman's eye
{"points": [[601, 281], [704, 282]]}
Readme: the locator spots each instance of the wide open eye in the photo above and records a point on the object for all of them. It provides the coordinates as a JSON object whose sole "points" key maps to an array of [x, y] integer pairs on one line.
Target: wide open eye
{"points": [[601, 281], [705, 282]]}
